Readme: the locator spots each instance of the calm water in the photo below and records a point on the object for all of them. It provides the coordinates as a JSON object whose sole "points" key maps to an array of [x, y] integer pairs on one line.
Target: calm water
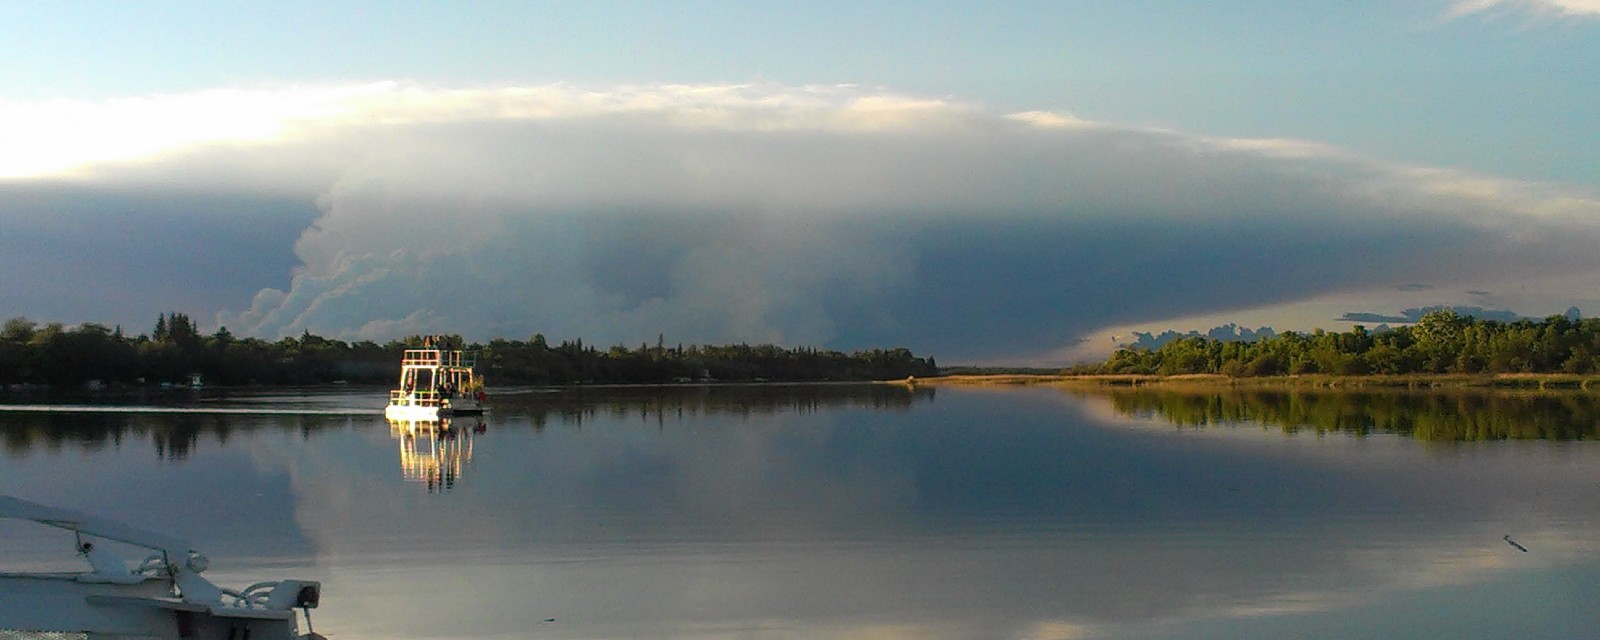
{"points": [[855, 512]]}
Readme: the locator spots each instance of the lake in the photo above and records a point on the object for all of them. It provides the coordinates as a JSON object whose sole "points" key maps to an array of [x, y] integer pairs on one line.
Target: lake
{"points": [[855, 511]]}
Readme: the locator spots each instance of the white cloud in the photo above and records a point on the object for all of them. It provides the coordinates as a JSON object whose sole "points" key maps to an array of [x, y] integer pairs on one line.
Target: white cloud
{"points": [[62, 137], [1055, 119], [1539, 8], [55, 137]]}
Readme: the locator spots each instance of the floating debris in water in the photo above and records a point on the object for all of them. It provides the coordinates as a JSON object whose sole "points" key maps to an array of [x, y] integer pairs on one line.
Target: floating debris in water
{"points": [[1514, 544]]}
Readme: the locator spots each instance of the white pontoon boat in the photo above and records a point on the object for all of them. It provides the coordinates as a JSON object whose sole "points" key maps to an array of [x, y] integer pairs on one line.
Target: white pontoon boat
{"points": [[434, 384], [161, 597]]}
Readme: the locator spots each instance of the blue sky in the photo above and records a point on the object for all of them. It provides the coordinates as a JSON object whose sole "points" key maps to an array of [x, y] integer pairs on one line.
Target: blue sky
{"points": [[1499, 90], [1397, 128]]}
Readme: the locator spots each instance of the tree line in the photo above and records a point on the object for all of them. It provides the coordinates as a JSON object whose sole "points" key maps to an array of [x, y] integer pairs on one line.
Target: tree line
{"points": [[1441, 341], [59, 356], [537, 362]]}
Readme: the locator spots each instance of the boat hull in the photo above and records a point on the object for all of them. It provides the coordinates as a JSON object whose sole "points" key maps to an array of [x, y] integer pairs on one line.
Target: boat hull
{"points": [[421, 413], [411, 412]]}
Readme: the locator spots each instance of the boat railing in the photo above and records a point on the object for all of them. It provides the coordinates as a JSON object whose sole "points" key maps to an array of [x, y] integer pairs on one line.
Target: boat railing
{"points": [[415, 398], [438, 358], [91, 604], [421, 358]]}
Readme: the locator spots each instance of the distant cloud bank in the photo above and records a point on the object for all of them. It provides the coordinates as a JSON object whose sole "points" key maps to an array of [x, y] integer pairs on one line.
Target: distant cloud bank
{"points": [[1540, 8], [836, 216], [1411, 316], [1224, 333]]}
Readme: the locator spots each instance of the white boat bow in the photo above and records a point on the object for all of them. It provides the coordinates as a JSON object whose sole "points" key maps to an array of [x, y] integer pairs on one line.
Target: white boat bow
{"points": [[161, 596]]}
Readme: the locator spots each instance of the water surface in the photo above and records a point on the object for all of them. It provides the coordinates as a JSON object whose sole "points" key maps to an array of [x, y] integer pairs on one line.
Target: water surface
{"points": [[841, 512]]}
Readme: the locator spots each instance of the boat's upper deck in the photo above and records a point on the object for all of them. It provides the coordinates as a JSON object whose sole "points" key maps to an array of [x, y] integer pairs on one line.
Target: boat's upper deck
{"points": [[438, 358]]}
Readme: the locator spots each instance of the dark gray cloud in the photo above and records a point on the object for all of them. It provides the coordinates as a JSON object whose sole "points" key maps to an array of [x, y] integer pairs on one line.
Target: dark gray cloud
{"points": [[834, 217], [1415, 313], [1363, 316], [123, 255]]}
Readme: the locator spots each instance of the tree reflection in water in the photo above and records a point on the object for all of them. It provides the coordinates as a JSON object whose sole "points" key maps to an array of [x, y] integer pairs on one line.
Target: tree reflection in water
{"points": [[575, 405], [173, 435], [175, 429], [1433, 416]]}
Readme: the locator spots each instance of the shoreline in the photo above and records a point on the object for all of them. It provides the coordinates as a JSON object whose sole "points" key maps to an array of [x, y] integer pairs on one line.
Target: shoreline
{"points": [[1420, 382]]}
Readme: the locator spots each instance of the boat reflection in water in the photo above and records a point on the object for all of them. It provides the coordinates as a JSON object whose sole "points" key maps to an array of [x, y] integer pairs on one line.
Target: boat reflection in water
{"points": [[433, 452]]}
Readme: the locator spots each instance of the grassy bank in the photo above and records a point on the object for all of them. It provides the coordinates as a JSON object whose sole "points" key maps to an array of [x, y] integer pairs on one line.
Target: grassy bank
{"points": [[1586, 382]]}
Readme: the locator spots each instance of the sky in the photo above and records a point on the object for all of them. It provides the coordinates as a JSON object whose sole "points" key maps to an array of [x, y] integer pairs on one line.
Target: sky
{"points": [[1005, 183]]}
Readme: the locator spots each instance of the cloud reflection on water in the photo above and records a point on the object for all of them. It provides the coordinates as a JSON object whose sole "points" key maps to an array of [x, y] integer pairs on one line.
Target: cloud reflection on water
{"points": [[792, 524]]}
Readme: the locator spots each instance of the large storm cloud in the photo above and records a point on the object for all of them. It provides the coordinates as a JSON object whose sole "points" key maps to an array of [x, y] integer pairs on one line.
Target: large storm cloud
{"points": [[832, 216]]}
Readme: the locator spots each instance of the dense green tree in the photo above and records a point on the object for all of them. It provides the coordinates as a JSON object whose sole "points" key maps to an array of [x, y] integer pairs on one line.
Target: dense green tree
{"points": [[18, 330], [1442, 341], [60, 356]]}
